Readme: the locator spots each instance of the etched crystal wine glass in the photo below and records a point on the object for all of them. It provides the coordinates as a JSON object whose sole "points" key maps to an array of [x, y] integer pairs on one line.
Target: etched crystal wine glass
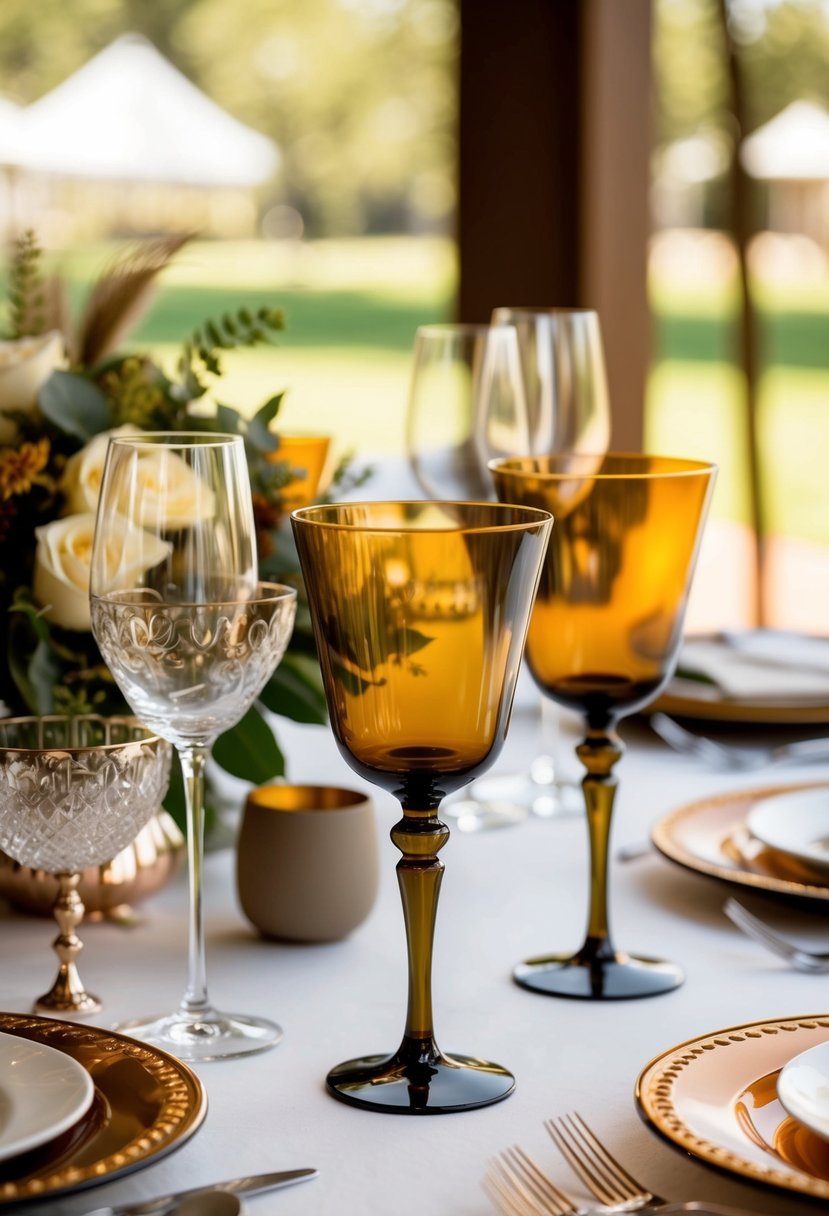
{"points": [[74, 791], [568, 410], [420, 611], [603, 640], [191, 637]]}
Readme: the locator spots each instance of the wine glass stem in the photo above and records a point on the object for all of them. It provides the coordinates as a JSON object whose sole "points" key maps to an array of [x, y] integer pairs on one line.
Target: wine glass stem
{"points": [[599, 753], [419, 836], [194, 758]]}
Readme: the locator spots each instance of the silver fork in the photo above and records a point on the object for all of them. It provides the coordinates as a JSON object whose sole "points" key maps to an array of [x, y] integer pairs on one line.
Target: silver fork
{"points": [[608, 1180], [813, 961], [729, 757], [520, 1187]]}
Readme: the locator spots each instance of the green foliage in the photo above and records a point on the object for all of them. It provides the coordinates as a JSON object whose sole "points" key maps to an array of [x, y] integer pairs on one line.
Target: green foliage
{"points": [[382, 162], [45, 668], [26, 289], [200, 353]]}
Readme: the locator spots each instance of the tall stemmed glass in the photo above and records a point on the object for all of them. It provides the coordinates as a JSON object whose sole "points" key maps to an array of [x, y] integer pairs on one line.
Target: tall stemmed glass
{"points": [[466, 407], [568, 410], [74, 791], [420, 611], [603, 640], [191, 637]]}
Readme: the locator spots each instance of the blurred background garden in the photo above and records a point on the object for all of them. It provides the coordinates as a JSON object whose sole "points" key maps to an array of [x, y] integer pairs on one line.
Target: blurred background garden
{"points": [[345, 211]]}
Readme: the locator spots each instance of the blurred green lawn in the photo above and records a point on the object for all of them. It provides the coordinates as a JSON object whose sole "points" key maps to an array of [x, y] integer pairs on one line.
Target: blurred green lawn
{"points": [[352, 308]]}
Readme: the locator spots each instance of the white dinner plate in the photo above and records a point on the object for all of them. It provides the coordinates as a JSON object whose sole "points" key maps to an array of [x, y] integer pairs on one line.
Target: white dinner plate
{"points": [[796, 823], [716, 1098], [43, 1092], [803, 1088]]}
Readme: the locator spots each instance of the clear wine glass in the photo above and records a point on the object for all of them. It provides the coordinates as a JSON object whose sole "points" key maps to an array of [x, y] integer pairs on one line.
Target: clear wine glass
{"points": [[466, 406], [603, 641], [191, 637], [420, 612], [74, 791], [568, 411]]}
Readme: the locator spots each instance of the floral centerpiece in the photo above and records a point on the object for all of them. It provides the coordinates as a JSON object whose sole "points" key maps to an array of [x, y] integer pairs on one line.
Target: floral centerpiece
{"points": [[63, 390]]}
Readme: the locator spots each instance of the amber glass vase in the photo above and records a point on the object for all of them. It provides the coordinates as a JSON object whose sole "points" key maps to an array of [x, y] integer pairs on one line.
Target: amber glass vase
{"points": [[603, 640], [420, 611]]}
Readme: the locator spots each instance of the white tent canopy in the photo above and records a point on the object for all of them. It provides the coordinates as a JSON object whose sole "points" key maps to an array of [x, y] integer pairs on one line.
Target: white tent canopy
{"points": [[792, 146], [129, 115]]}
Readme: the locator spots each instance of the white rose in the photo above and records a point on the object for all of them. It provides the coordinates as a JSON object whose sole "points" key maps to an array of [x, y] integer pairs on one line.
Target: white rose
{"points": [[62, 563], [81, 479], [25, 363], [166, 493]]}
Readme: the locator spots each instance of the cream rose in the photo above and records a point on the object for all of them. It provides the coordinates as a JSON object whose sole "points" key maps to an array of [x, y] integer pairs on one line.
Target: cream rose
{"points": [[25, 363], [62, 564], [81, 479], [166, 493]]}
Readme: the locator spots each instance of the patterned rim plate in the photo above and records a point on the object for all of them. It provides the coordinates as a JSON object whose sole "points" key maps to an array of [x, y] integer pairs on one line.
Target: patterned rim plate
{"points": [[710, 837], [146, 1104], [715, 1097]]}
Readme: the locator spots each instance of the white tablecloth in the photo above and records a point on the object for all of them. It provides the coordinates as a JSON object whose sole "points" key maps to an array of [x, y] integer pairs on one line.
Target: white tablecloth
{"points": [[507, 895]]}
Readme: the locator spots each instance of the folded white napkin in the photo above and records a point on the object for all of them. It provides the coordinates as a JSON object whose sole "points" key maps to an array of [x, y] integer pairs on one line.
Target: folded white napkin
{"points": [[760, 664]]}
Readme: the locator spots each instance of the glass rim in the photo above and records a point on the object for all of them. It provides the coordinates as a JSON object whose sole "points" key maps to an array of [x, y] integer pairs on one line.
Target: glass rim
{"points": [[676, 466], [150, 736], [185, 439], [540, 310], [266, 592], [459, 329], [536, 516]]}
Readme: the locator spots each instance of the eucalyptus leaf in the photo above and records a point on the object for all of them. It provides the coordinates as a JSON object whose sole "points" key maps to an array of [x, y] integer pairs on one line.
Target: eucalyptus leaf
{"points": [[74, 404], [249, 750]]}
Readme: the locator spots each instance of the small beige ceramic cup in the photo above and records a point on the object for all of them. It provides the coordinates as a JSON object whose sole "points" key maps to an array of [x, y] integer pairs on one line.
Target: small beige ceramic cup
{"points": [[306, 861]]}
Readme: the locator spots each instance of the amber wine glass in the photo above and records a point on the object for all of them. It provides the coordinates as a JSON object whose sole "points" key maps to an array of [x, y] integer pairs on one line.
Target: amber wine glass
{"points": [[420, 611], [603, 640]]}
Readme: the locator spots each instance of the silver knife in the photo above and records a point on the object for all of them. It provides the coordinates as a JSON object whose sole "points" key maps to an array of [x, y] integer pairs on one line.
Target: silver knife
{"points": [[700, 1206], [250, 1185]]}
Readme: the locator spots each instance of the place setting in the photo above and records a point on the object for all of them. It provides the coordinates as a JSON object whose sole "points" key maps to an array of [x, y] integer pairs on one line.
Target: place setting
{"points": [[766, 839]]}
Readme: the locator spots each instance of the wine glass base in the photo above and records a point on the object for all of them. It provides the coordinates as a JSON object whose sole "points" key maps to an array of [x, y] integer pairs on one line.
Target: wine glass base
{"points": [[620, 978], [437, 1087], [482, 815], [209, 1036], [547, 799]]}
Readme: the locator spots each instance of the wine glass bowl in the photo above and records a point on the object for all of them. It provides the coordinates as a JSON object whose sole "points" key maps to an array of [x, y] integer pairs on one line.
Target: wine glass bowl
{"points": [[466, 406], [74, 791], [565, 382], [203, 660], [191, 637], [420, 611], [603, 641]]}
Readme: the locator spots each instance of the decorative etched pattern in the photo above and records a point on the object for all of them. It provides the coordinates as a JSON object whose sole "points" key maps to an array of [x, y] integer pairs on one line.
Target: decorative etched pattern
{"points": [[190, 671], [146, 1102], [66, 804], [656, 1091]]}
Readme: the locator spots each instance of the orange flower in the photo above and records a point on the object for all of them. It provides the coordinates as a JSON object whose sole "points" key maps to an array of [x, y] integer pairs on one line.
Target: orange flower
{"points": [[21, 468]]}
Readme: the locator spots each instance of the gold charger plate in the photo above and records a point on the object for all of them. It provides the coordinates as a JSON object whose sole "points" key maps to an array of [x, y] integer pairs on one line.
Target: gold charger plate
{"points": [[715, 1097], [710, 837], [680, 700], [146, 1104]]}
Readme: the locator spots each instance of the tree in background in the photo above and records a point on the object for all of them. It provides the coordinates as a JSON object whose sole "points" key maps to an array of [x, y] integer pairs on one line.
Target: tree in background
{"points": [[359, 94]]}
